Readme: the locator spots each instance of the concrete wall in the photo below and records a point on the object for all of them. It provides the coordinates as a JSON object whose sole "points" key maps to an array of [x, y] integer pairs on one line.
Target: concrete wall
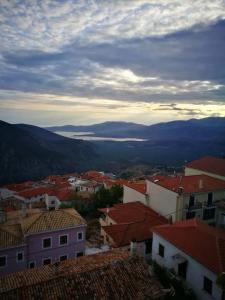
{"points": [[195, 271], [131, 195], [37, 253], [162, 200], [12, 265], [190, 171]]}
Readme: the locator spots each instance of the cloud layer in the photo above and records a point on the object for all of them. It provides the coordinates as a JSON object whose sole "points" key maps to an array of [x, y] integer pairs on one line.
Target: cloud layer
{"points": [[110, 54]]}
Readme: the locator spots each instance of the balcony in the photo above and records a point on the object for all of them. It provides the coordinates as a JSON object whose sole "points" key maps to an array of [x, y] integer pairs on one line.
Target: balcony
{"points": [[197, 206]]}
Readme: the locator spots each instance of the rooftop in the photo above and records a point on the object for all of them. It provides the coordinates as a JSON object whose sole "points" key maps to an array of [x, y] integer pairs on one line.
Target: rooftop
{"points": [[108, 275], [51, 220], [10, 235], [205, 243], [134, 221], [130, 212], [189, 184], [209, 164], [139, 187]]}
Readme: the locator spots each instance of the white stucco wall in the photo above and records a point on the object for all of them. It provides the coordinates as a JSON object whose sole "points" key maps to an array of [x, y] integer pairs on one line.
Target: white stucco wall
{"points": [[190, 172], [162, 200], [5, 193], [195, 271], [131, 195]]}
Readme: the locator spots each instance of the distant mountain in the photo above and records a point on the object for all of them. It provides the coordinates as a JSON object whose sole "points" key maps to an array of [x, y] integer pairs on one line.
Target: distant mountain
{"points": [[108, 129], [194, 129], [30, 152]]}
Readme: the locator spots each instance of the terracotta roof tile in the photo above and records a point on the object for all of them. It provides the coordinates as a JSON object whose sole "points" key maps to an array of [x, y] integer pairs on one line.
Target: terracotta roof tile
{"points": [[205, 243], [209, 164], [130, 212], [51, 220], [108, 275], [139, 187], [189, 184], [10, 235]]}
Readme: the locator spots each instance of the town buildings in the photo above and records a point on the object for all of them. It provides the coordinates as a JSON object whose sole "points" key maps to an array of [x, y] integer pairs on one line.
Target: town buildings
{"points": [[208, 165], [33, 238], [195, 252], [185, 197], [110, 275], [124, 223]]}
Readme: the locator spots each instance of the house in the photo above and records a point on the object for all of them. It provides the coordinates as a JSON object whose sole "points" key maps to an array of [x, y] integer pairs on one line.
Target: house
{"points": [[110, 275], [90, 187], [126, 223], [185, 197], [33, 238], [195, 252], [211, 166], [133, 191]]}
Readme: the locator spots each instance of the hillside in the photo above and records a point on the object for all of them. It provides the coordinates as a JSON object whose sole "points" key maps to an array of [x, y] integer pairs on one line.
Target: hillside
{"points": [[30, 152]]}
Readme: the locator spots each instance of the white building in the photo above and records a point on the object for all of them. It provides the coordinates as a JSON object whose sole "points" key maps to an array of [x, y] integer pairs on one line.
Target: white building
{"points": [[195, 252], [185, 197], [211, 166], [135, 192]]}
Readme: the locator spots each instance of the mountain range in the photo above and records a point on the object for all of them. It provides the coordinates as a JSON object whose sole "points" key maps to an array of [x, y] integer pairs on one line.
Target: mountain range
{"points": [[31, 152], [181, 130]]}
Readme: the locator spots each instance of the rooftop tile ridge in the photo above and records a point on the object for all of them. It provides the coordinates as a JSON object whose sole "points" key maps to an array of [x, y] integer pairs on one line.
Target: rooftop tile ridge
{"points": [[27, 229]]}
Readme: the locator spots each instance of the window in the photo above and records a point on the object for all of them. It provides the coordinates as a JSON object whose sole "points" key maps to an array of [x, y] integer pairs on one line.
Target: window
{"points": [[32, 264], [3, 261], [63, 239], [190, 214], [47, 261], [47, 243], [53, 202], [209, 213], [148, 246], [223, 219], [191, 200], [80, 254], [161, 250], [207, 285], [210, 198], [20, 256], [63, 257], [80, 236]]}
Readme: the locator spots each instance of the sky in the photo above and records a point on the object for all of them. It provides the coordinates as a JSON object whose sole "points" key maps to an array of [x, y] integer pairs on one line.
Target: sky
{"points": [[90, 61]]}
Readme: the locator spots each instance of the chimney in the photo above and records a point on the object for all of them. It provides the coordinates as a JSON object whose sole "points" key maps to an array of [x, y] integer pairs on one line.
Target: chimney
{"points": [[200, 184], [133, 247], [180, 190]]}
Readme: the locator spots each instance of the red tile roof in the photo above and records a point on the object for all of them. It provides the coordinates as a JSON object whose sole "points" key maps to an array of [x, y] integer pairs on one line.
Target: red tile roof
{"points": [[134, 220], [17, 187], [130, 212], [139, 187], [122, 234], [109, 275], [62, 195], [209, 164], [189, 184], [34, 192], [205, 244]]}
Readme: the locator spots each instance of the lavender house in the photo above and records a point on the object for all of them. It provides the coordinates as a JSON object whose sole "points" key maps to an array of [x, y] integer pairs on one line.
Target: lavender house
{"points": [[39, 238]]}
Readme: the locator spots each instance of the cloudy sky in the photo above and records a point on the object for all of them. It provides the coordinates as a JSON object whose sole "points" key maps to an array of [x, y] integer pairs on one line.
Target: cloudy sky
{"points": [[84, 62]]}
